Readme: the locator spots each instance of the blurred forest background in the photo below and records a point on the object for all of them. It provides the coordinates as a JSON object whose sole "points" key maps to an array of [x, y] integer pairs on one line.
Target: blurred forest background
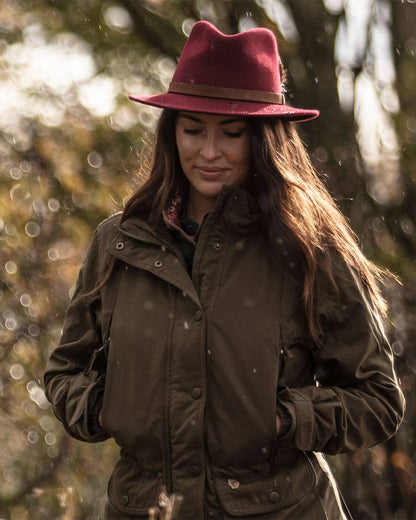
{"points": [[70, 143]]}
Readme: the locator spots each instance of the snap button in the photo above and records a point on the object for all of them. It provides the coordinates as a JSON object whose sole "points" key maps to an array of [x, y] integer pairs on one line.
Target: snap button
{"points": [[198, 316], [120, 245], [196, 393], [158, 263], [124, 500], [194, 470], [217, 245], [274, 496]]}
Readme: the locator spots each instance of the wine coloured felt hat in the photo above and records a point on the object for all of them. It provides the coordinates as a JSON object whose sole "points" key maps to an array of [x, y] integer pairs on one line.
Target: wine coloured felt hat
{"points": [[236, 74]]}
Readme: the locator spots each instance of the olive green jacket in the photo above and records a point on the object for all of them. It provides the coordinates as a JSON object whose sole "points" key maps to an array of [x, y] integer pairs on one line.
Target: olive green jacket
{"points": [[197, 364]]}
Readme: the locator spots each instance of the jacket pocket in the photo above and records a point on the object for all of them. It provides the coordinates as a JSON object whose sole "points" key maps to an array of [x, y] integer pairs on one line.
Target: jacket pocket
{"points": [[73, 403], [133, 489], [291, 481], [296, 357], [98, 359]]}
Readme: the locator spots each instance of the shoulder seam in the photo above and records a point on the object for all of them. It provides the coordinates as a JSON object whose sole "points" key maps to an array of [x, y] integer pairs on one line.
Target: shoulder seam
{"points": [[111, 217]]}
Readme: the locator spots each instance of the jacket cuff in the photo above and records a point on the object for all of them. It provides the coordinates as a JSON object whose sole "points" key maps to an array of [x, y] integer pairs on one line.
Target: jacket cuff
{"points": [[94, 426], [286, 411], [285, 418]]}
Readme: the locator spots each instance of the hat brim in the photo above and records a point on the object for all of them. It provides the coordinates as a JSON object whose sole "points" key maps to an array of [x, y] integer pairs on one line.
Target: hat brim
{"points": [[238, 108]]}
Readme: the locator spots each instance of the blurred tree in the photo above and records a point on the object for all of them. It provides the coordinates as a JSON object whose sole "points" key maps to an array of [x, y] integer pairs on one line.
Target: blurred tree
{"points": [[69, 147]]}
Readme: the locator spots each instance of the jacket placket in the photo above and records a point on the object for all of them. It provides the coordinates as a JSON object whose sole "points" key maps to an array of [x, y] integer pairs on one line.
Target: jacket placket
{"points": [[186, 367]]}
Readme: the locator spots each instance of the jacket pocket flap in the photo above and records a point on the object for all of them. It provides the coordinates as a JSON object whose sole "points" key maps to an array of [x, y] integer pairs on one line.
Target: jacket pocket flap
{"points": [[288, 485], [133, 489]]}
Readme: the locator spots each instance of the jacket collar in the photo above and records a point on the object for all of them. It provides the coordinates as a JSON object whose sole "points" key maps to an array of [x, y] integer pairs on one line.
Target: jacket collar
{"points": [[235, 209], [238, 210]]}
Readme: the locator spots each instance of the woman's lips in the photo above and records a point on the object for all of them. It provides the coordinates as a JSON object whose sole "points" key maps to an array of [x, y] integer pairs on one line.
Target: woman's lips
{"points": [[210, 171]]}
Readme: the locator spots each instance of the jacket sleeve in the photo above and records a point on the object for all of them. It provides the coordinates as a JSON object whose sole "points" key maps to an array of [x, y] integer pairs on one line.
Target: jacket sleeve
{"points": [[73, 386], [356, 402]]}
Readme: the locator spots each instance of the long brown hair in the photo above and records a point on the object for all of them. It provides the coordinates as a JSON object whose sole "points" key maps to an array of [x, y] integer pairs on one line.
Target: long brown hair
{"points": [[291, 197], [162, 173]]}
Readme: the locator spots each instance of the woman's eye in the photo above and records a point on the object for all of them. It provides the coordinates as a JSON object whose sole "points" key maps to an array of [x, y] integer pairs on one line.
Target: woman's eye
{"points": [[238, 133], [191, 131]]}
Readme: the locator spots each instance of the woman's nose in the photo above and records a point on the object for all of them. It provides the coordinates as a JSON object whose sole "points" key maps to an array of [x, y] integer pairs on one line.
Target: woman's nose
{"points": [[210, 147]]}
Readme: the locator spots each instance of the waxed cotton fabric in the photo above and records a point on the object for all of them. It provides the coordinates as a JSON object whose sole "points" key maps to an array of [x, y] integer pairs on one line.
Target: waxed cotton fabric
{"points": [[198, 361]]}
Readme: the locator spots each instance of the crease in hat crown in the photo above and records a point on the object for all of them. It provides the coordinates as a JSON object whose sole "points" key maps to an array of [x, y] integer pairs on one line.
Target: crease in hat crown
{"points": [[228, 74]]}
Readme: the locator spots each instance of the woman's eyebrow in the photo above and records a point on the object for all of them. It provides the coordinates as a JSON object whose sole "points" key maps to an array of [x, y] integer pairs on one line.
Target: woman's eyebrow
{"points": [[233, 120], [197, 120], [191, 118]]}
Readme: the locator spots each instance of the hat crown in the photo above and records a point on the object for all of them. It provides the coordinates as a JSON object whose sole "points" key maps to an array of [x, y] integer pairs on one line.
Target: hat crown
{"points": [[237, 75], [248, 60]]}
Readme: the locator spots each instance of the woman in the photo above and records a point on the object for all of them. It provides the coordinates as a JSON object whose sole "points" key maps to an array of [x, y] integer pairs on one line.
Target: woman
{"points": [[245, 322]]}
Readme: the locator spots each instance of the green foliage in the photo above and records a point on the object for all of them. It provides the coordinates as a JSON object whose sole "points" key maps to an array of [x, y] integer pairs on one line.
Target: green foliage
{"points": [[71, 143]]}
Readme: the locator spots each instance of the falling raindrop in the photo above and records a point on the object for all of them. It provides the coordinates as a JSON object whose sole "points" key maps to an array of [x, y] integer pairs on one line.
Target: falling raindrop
{"points": [[398, 348], [53, 254], [321, 154], [34, 330], [11, 267], [15, 173], [17, 371], [32, 229], [10, 229], [407, 226], [50, 439], [25, 300], [10, 324], [187, 26], [95, 160], [32, 437]]}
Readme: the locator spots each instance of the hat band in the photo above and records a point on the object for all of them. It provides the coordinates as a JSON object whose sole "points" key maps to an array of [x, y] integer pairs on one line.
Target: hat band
{"points": [[236, 94]]}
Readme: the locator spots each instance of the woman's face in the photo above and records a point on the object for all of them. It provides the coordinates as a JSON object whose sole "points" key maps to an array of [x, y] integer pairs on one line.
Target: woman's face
{"points": [[213, 150]]}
